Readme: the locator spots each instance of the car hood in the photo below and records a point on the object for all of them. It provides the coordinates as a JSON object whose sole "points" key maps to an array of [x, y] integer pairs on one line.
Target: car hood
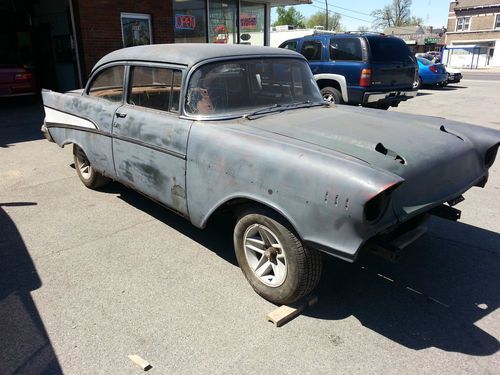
{"points": [[419, 149]]}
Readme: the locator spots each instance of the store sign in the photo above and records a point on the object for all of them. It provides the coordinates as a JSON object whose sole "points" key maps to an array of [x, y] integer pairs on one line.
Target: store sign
{"points": [[431, 40], [248, 21], [185, 22]]}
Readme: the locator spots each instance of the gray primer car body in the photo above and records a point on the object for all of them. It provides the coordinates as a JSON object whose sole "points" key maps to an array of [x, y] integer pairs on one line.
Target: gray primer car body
{"points": [[317, 167]]}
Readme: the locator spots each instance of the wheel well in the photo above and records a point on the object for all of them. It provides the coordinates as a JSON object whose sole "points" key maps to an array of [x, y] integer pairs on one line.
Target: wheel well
{"points": [[234, 207], [322, 83]]}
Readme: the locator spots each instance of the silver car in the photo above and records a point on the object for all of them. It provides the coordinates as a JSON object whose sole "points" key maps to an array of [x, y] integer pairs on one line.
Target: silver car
{"points": [[209, 129]]}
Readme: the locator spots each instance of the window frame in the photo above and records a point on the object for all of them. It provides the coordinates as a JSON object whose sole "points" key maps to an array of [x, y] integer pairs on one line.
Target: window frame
{"points": [[173, 68], [462, 27], [496, 22], [100, 70]]}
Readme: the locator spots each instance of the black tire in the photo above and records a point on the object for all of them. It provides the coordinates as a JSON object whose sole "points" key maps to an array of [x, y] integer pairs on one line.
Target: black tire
{"points": [[331, 95], [303, 265], [384, 107], [419, 83], [87, 174]]}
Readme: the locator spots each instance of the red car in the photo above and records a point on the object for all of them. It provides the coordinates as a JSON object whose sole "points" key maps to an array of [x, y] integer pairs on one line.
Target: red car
{"points": [[16, 80]]}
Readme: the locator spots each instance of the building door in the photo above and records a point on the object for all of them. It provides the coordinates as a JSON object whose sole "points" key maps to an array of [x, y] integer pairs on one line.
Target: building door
{"points": [[491, 51]]}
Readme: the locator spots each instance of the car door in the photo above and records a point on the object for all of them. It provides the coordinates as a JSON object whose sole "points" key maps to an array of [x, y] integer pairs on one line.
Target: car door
{"points": [[149, 138], [91, 113]]}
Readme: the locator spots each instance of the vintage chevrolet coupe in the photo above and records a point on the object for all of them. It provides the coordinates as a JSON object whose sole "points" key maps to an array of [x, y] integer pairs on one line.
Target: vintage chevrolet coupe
{"points": [[206, 129]]}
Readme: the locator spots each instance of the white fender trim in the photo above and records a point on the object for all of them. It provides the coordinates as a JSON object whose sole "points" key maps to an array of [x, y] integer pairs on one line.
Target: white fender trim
{"points": [[58, 117], [338, 78]]}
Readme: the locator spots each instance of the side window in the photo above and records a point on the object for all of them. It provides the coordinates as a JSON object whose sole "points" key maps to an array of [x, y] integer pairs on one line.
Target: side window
{"points": [[311, 50], [151, 87], [290, 45], [345, 49], [108, 84]]}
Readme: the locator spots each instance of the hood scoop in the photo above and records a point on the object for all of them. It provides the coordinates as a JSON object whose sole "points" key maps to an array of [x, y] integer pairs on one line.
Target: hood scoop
{"points": [[392, 154], [443, 129]]}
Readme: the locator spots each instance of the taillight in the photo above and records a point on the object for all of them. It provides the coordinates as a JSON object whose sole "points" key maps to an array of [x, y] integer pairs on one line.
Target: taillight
{"points": [[433, 68], [366, 78], [23, 76], [375, 208]]}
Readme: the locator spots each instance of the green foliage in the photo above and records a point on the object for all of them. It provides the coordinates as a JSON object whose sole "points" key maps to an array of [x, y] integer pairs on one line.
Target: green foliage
{"points": [[318, 19], [394, 15], [289, 16]]}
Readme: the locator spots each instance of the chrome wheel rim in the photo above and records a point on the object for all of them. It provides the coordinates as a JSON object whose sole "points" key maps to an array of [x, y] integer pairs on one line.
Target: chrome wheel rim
{"points": [[83, 164], [265, 255], [329, 98]]}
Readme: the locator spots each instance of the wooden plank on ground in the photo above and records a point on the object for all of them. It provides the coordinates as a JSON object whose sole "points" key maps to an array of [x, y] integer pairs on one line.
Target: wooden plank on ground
{"points": [[284, 314], [141, 362]]}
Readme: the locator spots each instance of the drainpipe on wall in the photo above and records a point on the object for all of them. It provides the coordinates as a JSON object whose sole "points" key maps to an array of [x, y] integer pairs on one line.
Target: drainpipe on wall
{"points": [[75, 43]]}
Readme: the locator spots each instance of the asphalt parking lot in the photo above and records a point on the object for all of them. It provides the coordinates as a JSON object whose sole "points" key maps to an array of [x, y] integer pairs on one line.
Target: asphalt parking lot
{"points": [[89, 277]]}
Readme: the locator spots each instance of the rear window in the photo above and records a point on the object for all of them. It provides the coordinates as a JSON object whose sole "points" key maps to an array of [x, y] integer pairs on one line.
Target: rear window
{"points": [[389, 49], [424, 61]]}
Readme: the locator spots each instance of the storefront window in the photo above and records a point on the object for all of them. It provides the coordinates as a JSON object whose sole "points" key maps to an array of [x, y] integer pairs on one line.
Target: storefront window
{"points": [[252, 23], [190, 21], [222, 25]]}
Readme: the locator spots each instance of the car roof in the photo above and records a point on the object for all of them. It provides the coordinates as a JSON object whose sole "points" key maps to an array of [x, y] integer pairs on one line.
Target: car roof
{"points": [[190, 54]]}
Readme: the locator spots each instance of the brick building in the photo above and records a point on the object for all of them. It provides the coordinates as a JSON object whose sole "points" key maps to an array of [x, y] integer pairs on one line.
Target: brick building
{"points": [[473, 37], [63, 39], [420, 38]]}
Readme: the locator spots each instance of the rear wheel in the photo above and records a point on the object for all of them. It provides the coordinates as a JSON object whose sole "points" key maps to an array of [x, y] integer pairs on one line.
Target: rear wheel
{"points": [[87, 174], [331, 95], [273, 259], [419, 83]]}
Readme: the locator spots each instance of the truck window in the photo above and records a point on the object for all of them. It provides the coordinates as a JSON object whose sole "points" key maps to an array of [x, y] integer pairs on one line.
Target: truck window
{"points": [[389, 49], [290, 45], [346, 49], [311, 49]]}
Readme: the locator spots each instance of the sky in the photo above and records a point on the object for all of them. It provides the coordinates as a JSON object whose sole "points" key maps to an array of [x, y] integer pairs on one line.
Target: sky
{"points": [[356, 13]]}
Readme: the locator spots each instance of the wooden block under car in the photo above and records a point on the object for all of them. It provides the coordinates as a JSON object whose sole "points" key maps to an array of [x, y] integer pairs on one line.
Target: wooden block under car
{"points": [[284, 314]]}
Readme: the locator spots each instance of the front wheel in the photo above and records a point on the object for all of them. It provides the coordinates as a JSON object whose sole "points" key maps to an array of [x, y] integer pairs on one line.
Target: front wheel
{"points": [[273, 259], [86, 172]]}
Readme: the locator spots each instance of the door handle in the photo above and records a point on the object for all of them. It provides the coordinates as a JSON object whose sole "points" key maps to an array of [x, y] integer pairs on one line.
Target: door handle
{"points": [[120, 115]]}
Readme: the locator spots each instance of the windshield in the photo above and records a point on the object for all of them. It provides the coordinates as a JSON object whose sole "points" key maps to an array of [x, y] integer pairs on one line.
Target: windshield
{"points": [[243, 86], [389, 49]]}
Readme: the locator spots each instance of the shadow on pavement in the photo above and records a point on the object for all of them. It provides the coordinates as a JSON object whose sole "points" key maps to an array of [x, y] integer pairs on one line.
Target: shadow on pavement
{"points": [[20, 120], [218, 236], [443, 284], [25, 347]]}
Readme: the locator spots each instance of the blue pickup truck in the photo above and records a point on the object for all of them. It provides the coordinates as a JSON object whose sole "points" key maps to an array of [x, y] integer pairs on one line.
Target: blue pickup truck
{"points": [[368, 69]]}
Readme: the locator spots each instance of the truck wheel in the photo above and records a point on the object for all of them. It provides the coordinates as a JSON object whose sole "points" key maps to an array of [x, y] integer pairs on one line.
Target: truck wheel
{"points": [[273, 259], [87, 174], [331, 95]]}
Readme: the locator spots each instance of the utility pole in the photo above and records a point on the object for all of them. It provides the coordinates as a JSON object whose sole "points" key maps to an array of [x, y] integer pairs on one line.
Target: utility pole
{"points": [[326, 15]]}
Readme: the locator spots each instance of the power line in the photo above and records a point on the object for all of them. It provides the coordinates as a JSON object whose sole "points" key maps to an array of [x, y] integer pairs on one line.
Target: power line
{"points": [[342, 14], [350, 10]]}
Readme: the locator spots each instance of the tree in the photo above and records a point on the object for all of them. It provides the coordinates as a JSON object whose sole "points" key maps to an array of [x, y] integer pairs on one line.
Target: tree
{"points": [[394, 15], [318, 19], [289, 16], [363, 29]]}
